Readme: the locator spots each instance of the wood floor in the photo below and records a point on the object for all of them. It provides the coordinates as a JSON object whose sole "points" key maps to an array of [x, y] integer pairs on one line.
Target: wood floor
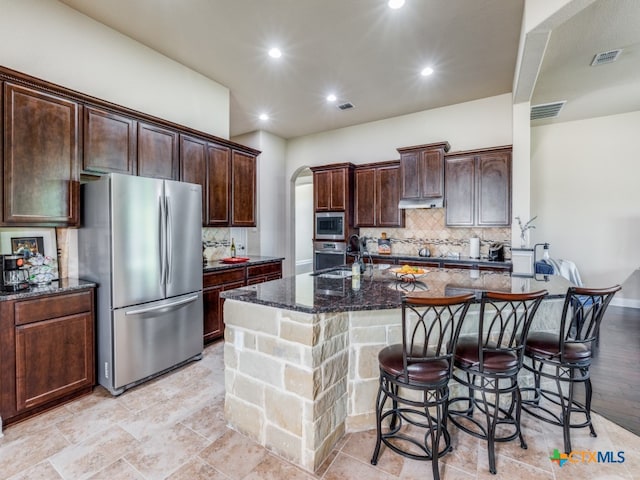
{"points": [[615, 370]]}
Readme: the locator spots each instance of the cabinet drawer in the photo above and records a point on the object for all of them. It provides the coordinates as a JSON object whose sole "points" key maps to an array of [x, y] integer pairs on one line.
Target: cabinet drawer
{"points": [[264, 269], [44, 308], [213, 279]]}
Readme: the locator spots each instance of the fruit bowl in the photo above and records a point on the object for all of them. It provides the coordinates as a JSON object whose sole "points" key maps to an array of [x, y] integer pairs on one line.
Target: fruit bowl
{"points": [[408, 273]]}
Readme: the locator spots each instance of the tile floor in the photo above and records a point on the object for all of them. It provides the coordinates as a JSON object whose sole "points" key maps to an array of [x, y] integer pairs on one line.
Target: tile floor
{"points": [[173, 427]]}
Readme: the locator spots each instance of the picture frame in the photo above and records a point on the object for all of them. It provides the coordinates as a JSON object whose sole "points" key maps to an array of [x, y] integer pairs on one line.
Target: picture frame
{"points": [[44, 238], [27, 246]]}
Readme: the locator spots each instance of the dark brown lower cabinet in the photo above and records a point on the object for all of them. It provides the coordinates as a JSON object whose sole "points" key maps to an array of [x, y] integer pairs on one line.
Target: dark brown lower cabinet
{"points": [[264, 272], [213, 283], [218, 281], [47, 352]]}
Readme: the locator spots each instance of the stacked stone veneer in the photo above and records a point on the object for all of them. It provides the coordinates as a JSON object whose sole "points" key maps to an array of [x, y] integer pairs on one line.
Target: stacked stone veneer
{"points": [[286, 379], [296, 382]]}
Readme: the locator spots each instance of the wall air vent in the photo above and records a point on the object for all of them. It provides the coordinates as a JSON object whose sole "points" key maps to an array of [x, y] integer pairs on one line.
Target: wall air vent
{"points": [[546, 110], [605, 57], [345, 106]]}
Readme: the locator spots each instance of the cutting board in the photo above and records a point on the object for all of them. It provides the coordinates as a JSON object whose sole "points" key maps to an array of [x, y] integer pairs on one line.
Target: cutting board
{"points": [[235, 260]]}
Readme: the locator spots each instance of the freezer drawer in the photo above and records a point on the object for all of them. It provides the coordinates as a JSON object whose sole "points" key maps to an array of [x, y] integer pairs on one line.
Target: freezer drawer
{"points": [[153, 337]]}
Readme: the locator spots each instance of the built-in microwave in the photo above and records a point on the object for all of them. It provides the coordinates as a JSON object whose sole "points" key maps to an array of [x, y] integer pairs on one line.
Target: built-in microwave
{"points": [[330, 226]]}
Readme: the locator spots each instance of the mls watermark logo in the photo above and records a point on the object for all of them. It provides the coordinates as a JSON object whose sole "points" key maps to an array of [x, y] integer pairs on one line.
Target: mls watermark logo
{"points": [[586, 456]]}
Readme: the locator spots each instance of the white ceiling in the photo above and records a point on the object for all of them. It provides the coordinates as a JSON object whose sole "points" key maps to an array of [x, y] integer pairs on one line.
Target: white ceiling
{"points": [[371, 56]]}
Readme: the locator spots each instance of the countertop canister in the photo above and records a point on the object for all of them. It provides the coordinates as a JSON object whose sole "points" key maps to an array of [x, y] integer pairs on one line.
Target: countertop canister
{"points": [[474, 247]]}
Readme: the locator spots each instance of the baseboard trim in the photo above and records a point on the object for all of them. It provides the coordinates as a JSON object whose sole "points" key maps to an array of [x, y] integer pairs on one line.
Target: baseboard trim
{"points": [[625, 302]]}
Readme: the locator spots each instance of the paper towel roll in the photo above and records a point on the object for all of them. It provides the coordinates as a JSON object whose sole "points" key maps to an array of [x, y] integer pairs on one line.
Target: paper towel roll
{"points": [[474, 247]]}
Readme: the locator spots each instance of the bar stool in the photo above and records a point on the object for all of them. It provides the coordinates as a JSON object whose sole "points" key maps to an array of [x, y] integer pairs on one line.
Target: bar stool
{"points": [[564, 357], [415, 376], [487, 364]]}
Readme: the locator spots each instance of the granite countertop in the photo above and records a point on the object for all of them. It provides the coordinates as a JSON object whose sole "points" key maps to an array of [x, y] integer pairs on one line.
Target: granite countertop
{"points": [[484, 261], [215, 265], [57, 286], [380, 290]]}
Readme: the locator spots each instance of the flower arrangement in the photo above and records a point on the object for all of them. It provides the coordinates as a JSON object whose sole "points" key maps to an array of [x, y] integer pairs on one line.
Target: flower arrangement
{"points": [[40, 270], [524, 228]]}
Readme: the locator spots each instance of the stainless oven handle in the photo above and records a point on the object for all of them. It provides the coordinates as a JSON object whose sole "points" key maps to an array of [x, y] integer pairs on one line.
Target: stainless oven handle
{"points": [[330, 252]]}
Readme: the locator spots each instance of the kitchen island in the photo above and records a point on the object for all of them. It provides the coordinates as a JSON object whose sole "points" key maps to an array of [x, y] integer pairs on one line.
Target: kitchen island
{"points": [[301, 364]]}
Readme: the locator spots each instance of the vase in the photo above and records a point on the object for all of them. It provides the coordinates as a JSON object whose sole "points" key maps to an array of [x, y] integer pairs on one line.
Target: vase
{"points": [[40, 275]]}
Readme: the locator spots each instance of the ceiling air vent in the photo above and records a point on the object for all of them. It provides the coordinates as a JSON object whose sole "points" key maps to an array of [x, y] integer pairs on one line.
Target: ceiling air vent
{"points": [[345, 106], [605, 57], [546, 110]]}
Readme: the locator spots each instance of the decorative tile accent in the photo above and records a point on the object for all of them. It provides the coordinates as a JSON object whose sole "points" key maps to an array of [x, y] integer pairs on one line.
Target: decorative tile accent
{"points": [[426, 228]]}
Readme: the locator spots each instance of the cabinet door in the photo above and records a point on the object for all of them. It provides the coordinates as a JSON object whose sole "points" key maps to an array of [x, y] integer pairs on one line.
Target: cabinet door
{"points": [[157, 152], [322, 191], [41, 170], [109, 142], [339, 189], [243, 190], [219, 181], [494, 189], [460, 190], [388, 196], [431, 174], [212, 318], [365, 198], [193, 167], [410, 173], [53, 358]]}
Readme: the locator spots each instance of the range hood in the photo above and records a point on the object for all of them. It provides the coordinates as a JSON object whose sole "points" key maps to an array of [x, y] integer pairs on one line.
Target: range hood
{"points": [[422, 203]]}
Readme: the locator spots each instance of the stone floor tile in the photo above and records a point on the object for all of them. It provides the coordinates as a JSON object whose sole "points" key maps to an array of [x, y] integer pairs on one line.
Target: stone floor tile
{"points": [[95, 418], [41, 471], [209, 421], [92, 455], [234, 454], [118, 470], [361, 446], [274, 468], [165, 452], [196, 469], [346, 466], [18, 453]]}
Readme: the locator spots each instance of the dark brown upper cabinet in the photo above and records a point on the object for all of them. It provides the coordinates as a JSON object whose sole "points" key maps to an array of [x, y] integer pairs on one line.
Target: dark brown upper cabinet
{"points": [[377, 193], [193, 167], [41, 154], [478, 188], [51, 135], [219, 184], [110, 142], [243, 189], [227, 178], [332, 187], [157, 152], [422, 171]]}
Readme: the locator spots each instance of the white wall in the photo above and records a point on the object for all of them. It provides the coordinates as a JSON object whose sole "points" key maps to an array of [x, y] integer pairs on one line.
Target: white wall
{"points": [[477, 124], [268, 238], [585, 190], [304, 227], [51, 41]]}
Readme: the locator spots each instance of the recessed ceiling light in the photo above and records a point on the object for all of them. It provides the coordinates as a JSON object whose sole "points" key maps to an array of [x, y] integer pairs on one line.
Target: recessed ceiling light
{"points": [[426, 71], [395, 4], [263, 117], [331, 98], [275, 53]]}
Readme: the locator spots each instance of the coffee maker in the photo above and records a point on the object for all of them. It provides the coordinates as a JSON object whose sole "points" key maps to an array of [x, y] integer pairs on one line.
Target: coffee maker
{"points": [[14, 275]]}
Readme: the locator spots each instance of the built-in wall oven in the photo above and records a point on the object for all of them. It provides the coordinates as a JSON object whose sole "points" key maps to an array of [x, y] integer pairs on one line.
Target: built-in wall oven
{"points": [[330, 226], [329, 254]]}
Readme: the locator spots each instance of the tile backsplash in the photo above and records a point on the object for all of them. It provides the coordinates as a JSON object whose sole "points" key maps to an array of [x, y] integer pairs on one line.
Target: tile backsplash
{"points": [[426, 228], [216, 242]]}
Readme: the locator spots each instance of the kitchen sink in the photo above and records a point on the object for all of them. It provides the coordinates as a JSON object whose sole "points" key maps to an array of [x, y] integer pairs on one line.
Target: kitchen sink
{"points": [[335, 273]]}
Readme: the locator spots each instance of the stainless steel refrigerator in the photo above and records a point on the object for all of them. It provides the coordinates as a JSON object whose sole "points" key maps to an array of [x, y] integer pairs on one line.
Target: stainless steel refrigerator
{"points": [[141, 242]]}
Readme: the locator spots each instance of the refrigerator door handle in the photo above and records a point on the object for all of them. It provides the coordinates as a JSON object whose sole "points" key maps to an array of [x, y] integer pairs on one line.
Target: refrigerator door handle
{"points": [[166, 306], [162, 235], [169, 229]]}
